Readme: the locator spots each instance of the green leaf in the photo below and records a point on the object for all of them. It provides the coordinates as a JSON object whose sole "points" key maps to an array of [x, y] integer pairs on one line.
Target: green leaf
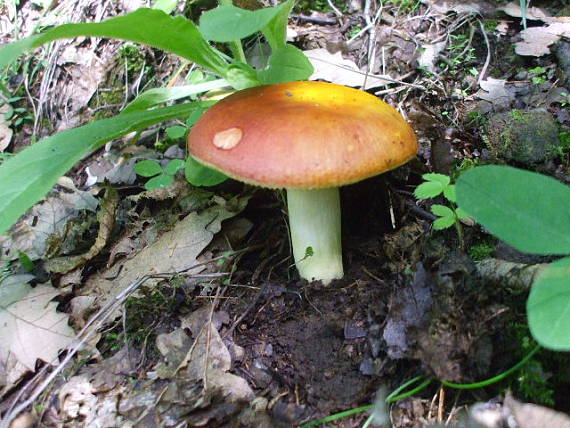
{"points": [[429, 189], [158, 182], [26, 177], [151, 27], [442, 211], [200, 175], [242, 76], [25, 261], [528, 211], [148, 168], [167, 6], [449, 192], [287, 64], [174, 166], [443, 223], [548, 306], [156, 96], [438, 178], [276, 30], [461, 214], [175, 132], [228, 23], [193, 118]]}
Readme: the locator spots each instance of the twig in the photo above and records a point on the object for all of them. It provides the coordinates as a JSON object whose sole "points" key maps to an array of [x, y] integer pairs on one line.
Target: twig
{"points": [[334, 8], [315, 19], [371, 23], [488, 59]]}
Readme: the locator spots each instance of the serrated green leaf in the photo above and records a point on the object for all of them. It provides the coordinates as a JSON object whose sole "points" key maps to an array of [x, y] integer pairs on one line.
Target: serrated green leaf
{"points": [[524, 209], [148, 168], [158, 182], [429, 189], [175, 132], [227, 23], [442, 211], [287, 64], [174, 166], [148, 26], [438, 178], [200, 175], [449, 192], [26, 177], [156, 96], [443, 223], [548, 306]]}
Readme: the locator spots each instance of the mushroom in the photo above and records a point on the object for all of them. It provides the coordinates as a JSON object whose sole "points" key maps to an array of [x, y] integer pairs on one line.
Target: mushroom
{"points": [[309, 138]]}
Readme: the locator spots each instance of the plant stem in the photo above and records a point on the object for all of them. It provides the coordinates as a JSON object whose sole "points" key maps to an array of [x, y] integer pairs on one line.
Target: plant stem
{"points": [[314, 219], [235, 45]]}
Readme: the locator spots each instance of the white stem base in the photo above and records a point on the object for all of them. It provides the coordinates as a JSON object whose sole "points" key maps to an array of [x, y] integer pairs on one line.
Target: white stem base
{"points": [[314, 219]]}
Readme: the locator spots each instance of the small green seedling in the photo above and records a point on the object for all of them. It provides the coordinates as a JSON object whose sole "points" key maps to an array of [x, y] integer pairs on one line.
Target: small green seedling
{"points": [[566, 98], [161, 177], [538, 75], [447, 216]]}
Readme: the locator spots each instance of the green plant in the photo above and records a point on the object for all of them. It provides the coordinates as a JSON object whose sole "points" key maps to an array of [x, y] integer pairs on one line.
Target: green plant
{"points": [[538, 75], [161, 176], [481, 250], [407, 6], [54, 156], [529, 211], [439, 184], [17, 115], [461, 54]]}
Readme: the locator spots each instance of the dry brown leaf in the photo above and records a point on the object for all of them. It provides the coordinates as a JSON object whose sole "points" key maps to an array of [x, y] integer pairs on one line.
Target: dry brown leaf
{"points": [[480, 7], [536, 41], [5, 130], [173, 251], [45, 226], [106, 219], [209, 359], [430, 54], [32, 329], [495, 91], [530, 415], [334, 68], [514, 9]]}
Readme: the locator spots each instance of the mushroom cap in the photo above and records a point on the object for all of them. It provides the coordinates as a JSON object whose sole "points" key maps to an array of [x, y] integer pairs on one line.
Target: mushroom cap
{"points": [[302, 135]]}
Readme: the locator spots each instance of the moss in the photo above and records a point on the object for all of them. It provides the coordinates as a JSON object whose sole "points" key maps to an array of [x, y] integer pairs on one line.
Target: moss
{"points": [[482, 250], [141, 317], [132, 56], [307, 6], [103, 101], [522, 137]]}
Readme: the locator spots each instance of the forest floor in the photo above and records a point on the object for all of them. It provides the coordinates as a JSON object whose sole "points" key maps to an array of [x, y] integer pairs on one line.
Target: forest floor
{"points": [[212, 326]]}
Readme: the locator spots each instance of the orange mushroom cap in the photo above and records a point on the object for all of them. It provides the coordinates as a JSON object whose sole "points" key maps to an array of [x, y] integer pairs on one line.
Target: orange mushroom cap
{"points": [[302, 135]]}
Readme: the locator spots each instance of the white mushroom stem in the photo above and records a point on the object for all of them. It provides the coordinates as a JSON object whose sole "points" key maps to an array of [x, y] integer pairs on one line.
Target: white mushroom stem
{"points": [[314, 220]]}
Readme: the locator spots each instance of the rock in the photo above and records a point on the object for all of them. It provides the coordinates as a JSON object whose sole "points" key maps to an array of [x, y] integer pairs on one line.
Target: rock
{"points": [[523, 137], [562, 52]]}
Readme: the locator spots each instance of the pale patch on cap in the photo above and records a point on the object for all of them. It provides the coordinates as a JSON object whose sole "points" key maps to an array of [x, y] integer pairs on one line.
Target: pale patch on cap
{"points": [[228, 139]]}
